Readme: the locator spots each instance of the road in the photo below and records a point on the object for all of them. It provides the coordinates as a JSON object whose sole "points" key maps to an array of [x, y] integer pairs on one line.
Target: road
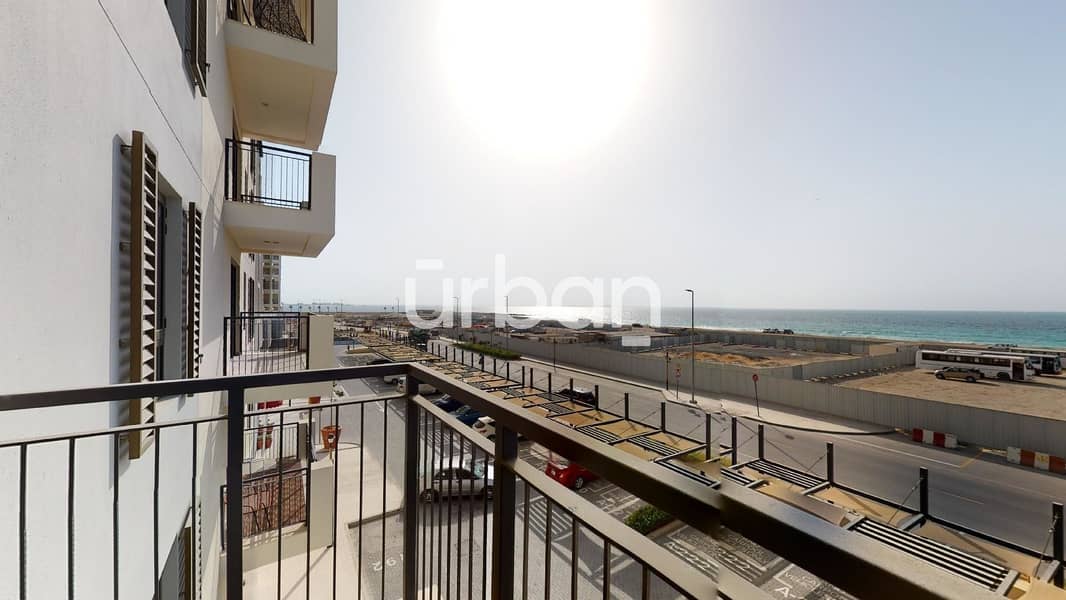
{"points": [[967, 486]]}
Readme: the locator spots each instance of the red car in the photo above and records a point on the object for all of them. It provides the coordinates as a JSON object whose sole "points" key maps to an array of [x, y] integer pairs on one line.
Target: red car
{"points": [[568, 473]]}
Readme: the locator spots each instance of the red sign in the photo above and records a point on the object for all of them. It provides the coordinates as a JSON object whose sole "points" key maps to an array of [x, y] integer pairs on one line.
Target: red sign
{"points": [[678, 372], [755, 377]]}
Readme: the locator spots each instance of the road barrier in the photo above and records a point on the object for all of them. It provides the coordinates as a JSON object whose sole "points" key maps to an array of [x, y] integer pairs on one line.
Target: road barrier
{"points": [[934, 438], [1037, 460]]}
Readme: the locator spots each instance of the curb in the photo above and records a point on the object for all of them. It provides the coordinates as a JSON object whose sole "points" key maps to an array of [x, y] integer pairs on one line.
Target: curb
{"points": [[592, 374], [758, 419]]}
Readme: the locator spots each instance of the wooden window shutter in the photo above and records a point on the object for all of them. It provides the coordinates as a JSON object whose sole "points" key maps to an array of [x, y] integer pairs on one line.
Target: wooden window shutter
{"points": [[196, 41], [144, 209], [193, 287]]}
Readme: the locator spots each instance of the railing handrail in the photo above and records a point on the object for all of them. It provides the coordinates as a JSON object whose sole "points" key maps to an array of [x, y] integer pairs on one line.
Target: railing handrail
{"points": [[856, 564], [238, 11], [251, 144]]}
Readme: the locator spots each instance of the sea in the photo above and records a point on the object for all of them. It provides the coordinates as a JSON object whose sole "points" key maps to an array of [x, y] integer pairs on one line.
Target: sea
{"points": [[1039, 329]]}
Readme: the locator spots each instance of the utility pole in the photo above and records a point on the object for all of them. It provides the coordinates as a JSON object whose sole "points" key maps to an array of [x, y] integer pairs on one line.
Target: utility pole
{"points": [[506, 326], [692, 340]]}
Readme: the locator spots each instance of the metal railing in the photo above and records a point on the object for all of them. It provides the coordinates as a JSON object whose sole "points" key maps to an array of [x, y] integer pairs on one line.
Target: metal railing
{"points": [[515, 536], [291, 18], [265, 343], [269, 175]]}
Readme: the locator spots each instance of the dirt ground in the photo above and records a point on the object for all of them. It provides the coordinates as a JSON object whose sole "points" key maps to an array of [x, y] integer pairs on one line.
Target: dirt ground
{"points": [[1044, 396], [751, 356]]}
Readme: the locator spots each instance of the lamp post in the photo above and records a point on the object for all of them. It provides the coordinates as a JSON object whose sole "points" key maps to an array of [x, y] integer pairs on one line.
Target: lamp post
{"points": [[506, 325], [692, 340], [455, 317]]}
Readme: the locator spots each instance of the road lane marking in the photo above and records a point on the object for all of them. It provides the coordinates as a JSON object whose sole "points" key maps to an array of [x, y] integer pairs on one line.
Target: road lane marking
{"points": [[917, 456], [961, 497], [971, 460]]}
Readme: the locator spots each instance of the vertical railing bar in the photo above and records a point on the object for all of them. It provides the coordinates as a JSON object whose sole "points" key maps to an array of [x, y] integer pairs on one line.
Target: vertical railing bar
{"points": [[22, 521], [525, 540], [280, 498], [362, 476], [459, 520], [448, 524], [336, 481], [423, 439], [70, 520], [440, 505], [234, 458], [645, 582], [606, 569], [155, 514], [384, 486], [410, 500], [114, 516], [470, 528], [573, 556], [485, 533], [307, 502], [503, 514]]}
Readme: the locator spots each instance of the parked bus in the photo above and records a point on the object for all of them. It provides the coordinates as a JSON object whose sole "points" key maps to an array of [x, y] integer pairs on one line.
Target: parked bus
{"points": [[1046, 366], [1016, 368]]}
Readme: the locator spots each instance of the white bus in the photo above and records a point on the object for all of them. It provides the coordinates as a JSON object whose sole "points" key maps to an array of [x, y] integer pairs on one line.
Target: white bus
{"points": [[1044, 361], [1016, 368], [1039, 363]]}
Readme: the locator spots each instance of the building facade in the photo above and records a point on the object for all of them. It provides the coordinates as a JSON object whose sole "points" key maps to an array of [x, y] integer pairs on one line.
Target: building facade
{"points": [[176, 158]]}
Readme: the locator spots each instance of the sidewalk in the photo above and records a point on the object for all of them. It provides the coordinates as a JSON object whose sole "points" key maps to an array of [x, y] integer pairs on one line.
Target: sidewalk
{"points": [[768, 412]]}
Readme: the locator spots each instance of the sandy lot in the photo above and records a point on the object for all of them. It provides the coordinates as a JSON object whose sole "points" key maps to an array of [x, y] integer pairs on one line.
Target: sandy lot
{"points": [[1042, 397], [751, 356]]}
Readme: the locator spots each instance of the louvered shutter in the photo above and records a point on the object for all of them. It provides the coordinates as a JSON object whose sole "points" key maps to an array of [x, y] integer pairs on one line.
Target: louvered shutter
{"points": [[193, 287], [196, 40], [144, 212]]}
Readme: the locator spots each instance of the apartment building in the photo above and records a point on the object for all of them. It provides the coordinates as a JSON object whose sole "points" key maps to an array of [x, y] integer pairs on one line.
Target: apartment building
{"points": [[269, 276], [159, 157]]}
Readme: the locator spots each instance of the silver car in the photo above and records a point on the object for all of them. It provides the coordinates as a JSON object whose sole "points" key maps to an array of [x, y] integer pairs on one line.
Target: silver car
{"points": [[467, 479]]}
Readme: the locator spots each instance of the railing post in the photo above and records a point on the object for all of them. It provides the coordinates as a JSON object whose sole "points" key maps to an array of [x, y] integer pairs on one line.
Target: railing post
{"points": [[410, 491], [234, 489], [571, 383], [523, 376], [503, 515], [493, 365], [707, 453], [507, 371], [1057, 544], [762, 441], [830, 469], [596, 395], [733, 443], [626, 405], [662, 416], [923, 491], [549, 385]]}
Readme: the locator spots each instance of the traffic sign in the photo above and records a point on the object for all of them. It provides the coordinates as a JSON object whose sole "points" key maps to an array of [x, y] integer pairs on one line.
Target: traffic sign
{"points": [[755, 377]]}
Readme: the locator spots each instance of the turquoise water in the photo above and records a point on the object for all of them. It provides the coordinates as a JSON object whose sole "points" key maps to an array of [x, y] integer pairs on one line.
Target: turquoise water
{"points": [[1044, 329]]}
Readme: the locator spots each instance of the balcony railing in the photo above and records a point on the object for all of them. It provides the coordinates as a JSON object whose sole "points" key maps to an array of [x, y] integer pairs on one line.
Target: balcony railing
{"points": [[266, 342], [527, 533], [269, 175], [291, 18]]}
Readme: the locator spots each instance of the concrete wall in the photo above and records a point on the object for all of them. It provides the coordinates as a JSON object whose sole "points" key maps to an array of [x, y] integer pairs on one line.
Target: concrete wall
{"points": [[990, 428]]}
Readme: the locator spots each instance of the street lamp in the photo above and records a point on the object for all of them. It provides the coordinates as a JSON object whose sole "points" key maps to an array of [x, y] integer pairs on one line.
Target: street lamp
{"points": [[455, 316], [692, 340], [506, 325]]}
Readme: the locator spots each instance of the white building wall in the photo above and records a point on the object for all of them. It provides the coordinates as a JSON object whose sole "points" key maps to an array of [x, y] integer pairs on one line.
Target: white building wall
{"points": [[79, 77]]}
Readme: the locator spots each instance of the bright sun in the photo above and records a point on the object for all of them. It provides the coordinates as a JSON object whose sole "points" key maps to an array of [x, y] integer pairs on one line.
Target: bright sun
{"points": [[544, 79]]}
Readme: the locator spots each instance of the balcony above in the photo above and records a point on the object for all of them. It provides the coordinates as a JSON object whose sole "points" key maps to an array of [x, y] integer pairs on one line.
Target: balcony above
{"points": [[260, 343], [282, 57], [279, 201]]}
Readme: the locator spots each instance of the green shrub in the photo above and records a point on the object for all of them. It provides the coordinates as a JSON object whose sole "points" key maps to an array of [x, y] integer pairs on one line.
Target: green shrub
{"points": [[648, 518], [489, 351]]}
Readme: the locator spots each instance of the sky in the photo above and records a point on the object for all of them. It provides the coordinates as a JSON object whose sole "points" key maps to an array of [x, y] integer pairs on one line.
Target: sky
{"points": [[862, 155]]}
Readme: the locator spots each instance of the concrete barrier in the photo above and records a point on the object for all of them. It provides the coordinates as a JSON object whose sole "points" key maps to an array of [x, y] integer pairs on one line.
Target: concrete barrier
{"points": [[934, 438], [1037, 460]]}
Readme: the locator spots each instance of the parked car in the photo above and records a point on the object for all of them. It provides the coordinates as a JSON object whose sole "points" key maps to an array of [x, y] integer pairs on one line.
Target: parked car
{"points": [[971, 375], [466, 479], [467, 415], [578, 393], [423, 388], [448, 404], [485, 426], [567, 472]]}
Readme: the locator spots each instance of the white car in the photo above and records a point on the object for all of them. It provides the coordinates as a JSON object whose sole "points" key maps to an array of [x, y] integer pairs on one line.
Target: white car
{"points": [[466, 479], [486, 426], [423, 388]]}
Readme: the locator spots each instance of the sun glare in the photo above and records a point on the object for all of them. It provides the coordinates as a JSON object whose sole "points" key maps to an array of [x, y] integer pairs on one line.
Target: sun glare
{"points": [[547, 79]]}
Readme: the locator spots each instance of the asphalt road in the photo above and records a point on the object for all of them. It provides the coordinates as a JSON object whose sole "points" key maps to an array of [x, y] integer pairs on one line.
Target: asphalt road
{"points": [[967, 486]]}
